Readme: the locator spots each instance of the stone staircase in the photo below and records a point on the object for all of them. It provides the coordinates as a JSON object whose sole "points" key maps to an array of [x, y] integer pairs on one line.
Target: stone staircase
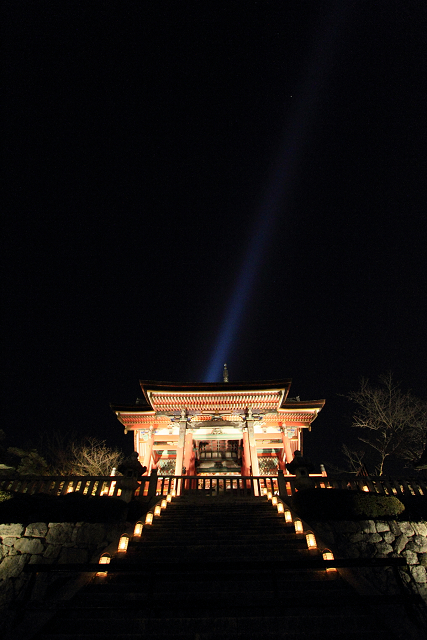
{"points": [[215, 569]]}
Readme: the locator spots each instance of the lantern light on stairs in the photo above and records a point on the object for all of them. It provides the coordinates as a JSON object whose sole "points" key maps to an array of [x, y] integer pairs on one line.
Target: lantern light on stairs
{"points": [[173, 493], [269, 495], [123, 543], [328, 555], [274, 501], [164, 503], [157, 510], [169, 498], [138, 529], [280, 507], [288, 516], [311, 540], [149, 518], [298, 526], [104, 559]]}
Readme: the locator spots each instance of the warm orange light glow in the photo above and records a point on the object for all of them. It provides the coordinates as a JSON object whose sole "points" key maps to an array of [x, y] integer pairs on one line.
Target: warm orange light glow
{"points": [[164, 503], [280, 507], [269, 495], [157, 510], [169, 498], [264, 491], [288, 516], [103, 560], [149, 518], [365, 488], [298, 526], [111, 489], [328, 555], [123, 542], [311, 541], [274, 501], [138, 529], [173, 493]]}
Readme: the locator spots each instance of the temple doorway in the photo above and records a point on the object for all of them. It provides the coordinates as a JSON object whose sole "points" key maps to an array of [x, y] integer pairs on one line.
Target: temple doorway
{"points": [[219, 456]]}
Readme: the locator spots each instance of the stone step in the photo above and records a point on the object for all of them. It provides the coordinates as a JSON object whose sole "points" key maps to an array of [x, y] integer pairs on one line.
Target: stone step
{"points": [[346, 621]]}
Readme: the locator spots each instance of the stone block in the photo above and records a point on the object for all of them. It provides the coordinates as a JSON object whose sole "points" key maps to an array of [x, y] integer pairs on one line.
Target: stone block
{"points": [[70, 555], [367, 526], [419, 574], [12, 566], [374, 538], [407, 529], [357, 537], [52, 551], [420, 528], [90, 534], [411, 557], [381, 527], [29, 545], [422, 559], [384, 549], [394, 528], [400, 543], [388, 537], [10, 541], [36, 530], [418, 544], [59, 532], [11, 530]]}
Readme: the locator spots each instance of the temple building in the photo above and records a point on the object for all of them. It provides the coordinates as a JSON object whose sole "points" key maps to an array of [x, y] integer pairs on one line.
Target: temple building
{"points": [[227, 428]]}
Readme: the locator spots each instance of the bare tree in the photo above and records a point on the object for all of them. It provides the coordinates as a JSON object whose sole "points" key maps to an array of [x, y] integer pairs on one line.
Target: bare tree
{"points": [[394, 422], [92, 457]]}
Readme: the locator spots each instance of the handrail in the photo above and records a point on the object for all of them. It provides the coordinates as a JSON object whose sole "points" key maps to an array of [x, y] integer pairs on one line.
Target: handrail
{"points": [[214, 485]]}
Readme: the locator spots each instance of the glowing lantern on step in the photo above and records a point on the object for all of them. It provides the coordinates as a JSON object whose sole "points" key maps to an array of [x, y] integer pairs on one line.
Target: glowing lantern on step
{"points": [[328, 555], [311, 540], [169, 498], [288, 516], [157, 510], [138, 529], [264, 491], [274, 501], [173, 493], [280, 507], [269, 495], [149, 518], [123, 543], [164, 503], [298, 526], [105, 559]]}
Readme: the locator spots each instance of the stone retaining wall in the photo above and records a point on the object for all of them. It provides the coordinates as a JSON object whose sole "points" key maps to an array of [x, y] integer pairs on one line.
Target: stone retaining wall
{"points": [[54, 542], [381, 539]]}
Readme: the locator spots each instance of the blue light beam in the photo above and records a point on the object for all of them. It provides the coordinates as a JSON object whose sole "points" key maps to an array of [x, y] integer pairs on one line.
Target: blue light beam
{"points": [[281, 182]]}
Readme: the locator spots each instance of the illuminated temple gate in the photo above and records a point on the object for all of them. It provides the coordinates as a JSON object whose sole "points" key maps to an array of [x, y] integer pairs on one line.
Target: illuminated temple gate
{"points": [[227, 428]]}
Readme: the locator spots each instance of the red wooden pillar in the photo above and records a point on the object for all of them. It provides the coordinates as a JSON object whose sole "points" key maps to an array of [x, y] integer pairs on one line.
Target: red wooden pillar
{"points": [[246, 458], [287, 447], [148, 452]]}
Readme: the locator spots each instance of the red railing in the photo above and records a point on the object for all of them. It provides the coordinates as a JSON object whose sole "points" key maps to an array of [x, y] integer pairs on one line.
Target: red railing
{"points": [[214, 486]]}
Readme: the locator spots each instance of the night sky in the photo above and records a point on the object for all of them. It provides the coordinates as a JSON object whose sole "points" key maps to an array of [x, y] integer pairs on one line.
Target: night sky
{"points": [[187, 180]]}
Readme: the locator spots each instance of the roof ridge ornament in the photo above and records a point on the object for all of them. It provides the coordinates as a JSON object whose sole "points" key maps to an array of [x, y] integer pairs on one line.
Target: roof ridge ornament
{"points": [[225, 373]]}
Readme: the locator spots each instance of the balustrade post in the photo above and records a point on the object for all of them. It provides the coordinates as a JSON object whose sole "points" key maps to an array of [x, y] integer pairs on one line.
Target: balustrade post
{"points": [[152, 487], [281, 482]]}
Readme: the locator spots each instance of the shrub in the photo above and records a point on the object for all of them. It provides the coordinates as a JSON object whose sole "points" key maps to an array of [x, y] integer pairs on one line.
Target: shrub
{"points": [[72, 507], [337, 504], [5, 495]]}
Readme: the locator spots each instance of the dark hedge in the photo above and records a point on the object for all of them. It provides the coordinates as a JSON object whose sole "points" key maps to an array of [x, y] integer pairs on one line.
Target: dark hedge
{"points": [[337, 504]]}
